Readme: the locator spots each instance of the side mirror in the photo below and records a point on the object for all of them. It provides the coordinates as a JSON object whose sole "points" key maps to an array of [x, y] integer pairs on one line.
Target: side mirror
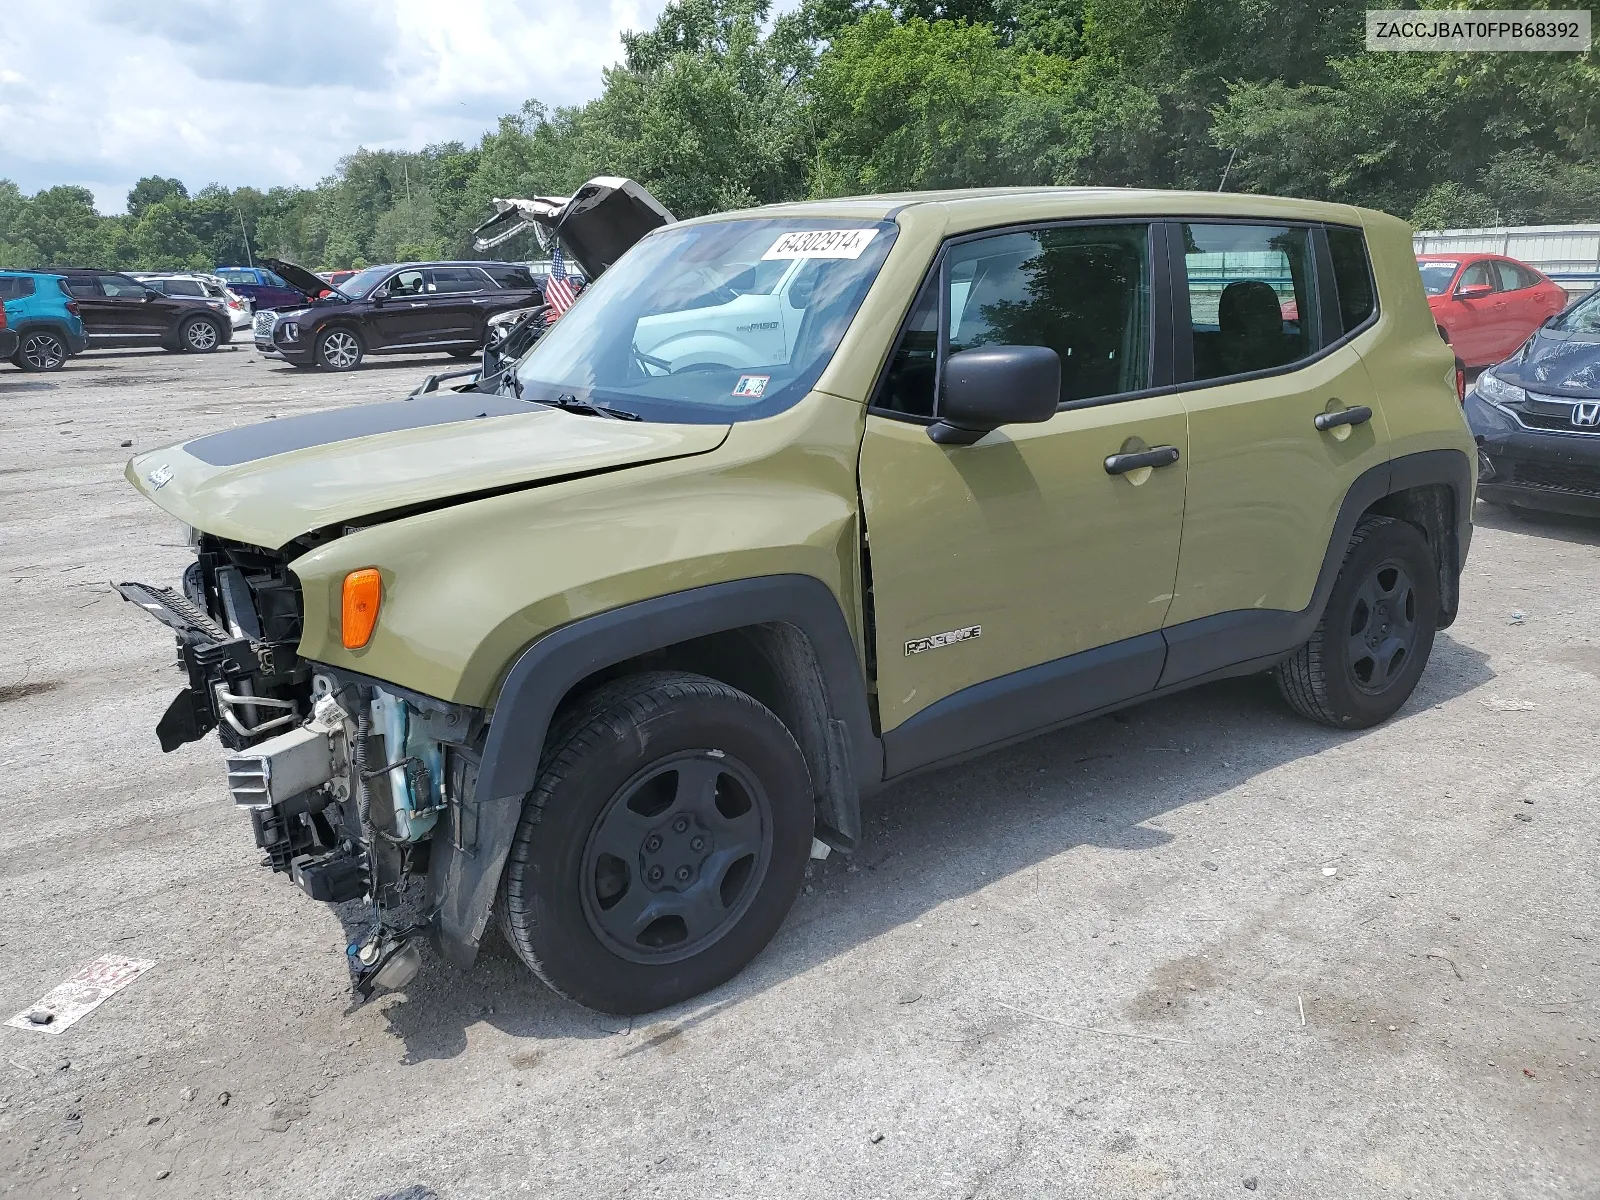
{"points": [[380, 294], [151, 294], [993, 386], [1474, 291]]}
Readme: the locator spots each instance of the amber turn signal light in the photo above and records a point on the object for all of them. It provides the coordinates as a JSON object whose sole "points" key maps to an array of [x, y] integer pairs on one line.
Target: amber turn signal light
{"points": [[363, 590]]}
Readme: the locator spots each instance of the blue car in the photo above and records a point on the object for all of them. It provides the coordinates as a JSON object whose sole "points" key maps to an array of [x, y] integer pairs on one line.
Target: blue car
{"points": [[44, 317], [263, 288]]}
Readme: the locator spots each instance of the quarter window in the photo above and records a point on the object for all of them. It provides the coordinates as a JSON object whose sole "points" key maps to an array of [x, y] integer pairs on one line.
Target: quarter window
{"points": [[908, 383], [1352, 276], [1252, 303], [83, 286]]}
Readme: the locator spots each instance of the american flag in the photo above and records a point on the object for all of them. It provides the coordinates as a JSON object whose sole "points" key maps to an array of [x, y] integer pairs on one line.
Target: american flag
{"points": [[559, 293]]}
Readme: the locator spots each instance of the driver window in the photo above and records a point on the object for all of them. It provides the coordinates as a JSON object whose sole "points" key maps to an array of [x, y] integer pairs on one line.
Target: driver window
{"points": [[408, 283], [1478, 273], [1082, 290]]}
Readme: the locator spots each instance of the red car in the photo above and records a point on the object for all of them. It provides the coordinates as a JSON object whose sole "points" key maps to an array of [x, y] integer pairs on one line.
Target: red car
{"points": [[1487, 305]]}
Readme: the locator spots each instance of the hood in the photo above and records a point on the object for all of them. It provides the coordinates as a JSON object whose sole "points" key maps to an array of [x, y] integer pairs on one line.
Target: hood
{"points": [[1556, 362], [598, 223], [270, 483], [296, 277]]}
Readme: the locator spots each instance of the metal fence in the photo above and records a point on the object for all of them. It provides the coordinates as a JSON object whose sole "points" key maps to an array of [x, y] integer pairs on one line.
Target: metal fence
{"points": [[1569, 254]]}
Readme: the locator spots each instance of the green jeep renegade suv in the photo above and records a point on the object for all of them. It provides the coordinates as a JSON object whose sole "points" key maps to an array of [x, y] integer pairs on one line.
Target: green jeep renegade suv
{"points": [[792, 503]]}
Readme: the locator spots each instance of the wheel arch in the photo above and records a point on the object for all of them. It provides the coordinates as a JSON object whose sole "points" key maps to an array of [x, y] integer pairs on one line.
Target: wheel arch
{"points": [[781, 638], [1433, 491]]}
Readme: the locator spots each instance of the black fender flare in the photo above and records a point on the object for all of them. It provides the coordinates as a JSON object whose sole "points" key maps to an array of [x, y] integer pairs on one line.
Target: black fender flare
{"points": [[462, 883], [1213, 646]]}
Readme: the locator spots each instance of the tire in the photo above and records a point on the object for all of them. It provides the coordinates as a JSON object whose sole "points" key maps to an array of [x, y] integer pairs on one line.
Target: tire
{"points": [[702, 877], [339, 349], [473, 353], [40, 350], [1375, 635], [199, 335]]}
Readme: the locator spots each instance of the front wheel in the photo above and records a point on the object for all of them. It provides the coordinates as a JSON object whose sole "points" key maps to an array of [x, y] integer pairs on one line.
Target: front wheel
{"points": [[1376, 633], [40, 350], [199, 335], [662, 845], [338, 350]]}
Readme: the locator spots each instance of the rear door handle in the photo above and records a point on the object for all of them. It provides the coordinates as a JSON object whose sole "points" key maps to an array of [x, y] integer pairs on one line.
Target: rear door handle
{"points": [[1359, 415], [1159, 456]]}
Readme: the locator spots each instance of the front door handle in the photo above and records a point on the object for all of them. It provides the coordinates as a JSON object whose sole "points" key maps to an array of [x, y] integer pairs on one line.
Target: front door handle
{"points": [[1358, 415], [1159, 456]]}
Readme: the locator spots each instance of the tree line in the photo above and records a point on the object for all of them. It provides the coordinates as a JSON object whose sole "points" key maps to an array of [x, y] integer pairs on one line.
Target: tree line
{"points": [[719, 106]]}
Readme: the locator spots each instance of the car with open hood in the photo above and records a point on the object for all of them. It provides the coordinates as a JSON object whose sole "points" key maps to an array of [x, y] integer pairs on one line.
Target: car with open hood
{"points": [[393, 308], [790, 504], [1536, 418]]}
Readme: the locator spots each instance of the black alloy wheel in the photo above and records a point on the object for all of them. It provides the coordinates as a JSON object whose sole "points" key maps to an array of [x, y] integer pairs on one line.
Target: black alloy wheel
{"points": [[1376, 633], [662, 846], [40, 350], [200, 335], [1383, 627], [676, 857]]}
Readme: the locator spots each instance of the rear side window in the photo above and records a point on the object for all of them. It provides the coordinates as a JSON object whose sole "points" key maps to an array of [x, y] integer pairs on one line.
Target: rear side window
{"points": [[14, 287], [121, 285], [511, 278], [275, 280], [458, 279], [182, 287], [238, 276], [1352, 276], [82, 285], [1252, 303], [1513, 278]]}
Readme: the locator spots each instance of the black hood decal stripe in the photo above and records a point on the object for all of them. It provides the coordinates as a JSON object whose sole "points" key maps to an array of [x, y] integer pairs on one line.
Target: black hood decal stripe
{"points": [[250, 443]]}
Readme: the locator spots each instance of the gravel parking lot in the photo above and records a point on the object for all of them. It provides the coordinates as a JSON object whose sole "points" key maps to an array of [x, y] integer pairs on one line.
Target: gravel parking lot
{"points": [[1198, 949]]}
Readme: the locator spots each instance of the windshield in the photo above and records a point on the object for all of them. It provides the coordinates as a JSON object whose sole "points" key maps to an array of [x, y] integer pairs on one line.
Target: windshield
{"points": [[362, 282], [705, 324], [1436, 276], [1582, 317]]}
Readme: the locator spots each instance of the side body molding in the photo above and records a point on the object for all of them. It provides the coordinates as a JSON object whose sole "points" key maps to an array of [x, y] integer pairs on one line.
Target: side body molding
{"points": [[462, 884]]}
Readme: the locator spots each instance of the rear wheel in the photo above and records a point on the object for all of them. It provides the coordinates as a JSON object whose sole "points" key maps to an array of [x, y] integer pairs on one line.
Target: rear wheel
{"points": [[1376, 633], [40, 350], [662, 846], [339, 350], [200, 335], [467, 353]]}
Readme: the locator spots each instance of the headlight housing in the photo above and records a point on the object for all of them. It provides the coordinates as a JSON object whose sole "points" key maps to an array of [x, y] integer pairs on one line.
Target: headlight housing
{"points": [[1498, 392]]}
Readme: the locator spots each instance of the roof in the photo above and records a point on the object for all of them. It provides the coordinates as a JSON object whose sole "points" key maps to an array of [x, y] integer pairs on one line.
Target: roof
{"points": [[978, 208]]}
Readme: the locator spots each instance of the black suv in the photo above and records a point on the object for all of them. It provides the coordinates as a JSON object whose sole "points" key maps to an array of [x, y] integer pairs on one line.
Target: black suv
{"points": [[118, 310], [396, 308]]}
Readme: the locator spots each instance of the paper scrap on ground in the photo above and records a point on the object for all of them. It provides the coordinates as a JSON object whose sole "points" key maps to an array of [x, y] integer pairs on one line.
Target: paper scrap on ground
{"points": [[82, 994]]}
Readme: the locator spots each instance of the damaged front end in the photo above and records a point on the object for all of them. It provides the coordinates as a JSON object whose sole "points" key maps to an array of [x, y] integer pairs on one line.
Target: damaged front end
{"points": [[348, 781]]}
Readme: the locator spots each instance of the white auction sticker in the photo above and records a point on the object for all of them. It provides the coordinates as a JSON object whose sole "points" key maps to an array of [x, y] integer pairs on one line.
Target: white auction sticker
{"points": [[751, 385], [821, 243], [82, 994]]}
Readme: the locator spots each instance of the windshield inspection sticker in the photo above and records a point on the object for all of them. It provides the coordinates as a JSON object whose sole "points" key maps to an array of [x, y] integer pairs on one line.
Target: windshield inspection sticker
{"points": [[751, 385], [821, 243]]}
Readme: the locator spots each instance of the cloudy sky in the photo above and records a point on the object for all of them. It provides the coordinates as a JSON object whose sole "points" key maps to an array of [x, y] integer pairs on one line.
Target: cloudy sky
{"points": [[265, 92]]}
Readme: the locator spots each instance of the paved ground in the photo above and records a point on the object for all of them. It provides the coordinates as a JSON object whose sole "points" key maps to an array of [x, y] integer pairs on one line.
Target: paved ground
{"points": [[1109, 963]]}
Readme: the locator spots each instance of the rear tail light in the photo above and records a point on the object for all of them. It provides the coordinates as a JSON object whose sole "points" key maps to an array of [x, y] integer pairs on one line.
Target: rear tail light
{"points": [[72, 307], [2, 316], [1461, 384]]}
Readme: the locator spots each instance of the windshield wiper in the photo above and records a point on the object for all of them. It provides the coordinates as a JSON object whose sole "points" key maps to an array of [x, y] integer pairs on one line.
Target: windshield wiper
{"points": [[570, 403]]}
